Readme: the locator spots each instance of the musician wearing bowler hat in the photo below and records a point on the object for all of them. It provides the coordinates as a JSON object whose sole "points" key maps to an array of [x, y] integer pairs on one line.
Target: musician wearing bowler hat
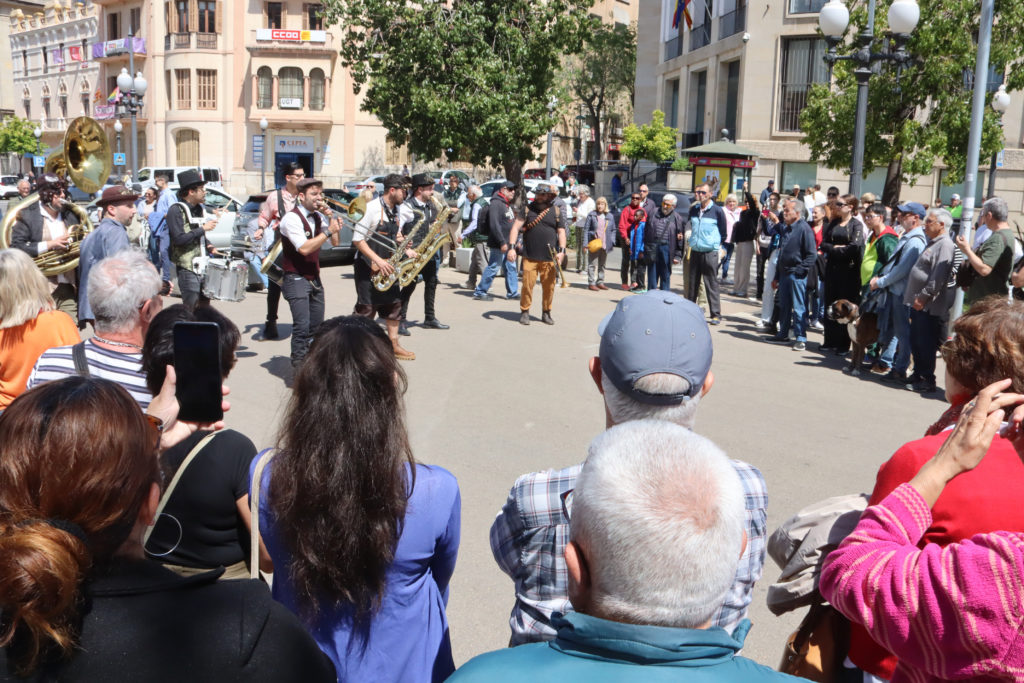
{"points": [[42, 227], [117, 204], [187, 225], [421, 203], [372, 237], [304, 230], [542, 226]]}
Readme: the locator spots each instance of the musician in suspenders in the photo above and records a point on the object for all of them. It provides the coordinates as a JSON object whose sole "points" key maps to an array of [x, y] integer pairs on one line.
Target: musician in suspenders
{"points": [[277, 204], [375, 231], [304, 230], [187, 225], [421, 203]]}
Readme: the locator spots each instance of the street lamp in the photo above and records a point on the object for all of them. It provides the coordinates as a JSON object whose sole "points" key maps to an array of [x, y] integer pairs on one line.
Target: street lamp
{"points": [[1000, 102], [118, 127], [552, 105], [132, 91], [264, 124], [833, 20], [38, 132]]}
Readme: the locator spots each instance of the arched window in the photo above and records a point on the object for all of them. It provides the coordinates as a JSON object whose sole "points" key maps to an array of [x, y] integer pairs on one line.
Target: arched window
{"points": [[186, 146], [264, 88], [317, 89], [289, 88]]}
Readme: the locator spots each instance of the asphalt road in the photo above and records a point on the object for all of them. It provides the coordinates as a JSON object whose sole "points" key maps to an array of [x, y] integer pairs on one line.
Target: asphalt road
{"points": [[491, 399]]}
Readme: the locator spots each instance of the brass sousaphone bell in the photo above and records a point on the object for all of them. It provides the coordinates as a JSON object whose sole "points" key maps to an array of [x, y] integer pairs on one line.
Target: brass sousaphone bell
{"points": [[85, 159]]}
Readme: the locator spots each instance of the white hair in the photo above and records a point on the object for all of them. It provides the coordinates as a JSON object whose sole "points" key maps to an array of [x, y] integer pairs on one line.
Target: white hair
{"points": [[583, 189], [623, 408], [997, 207], [942, 216], [474, 190], [670, 198], [118, 286], [658, 513]]}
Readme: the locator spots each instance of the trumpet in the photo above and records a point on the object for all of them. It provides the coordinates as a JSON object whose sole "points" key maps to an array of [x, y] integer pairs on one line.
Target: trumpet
{"points": [[558, 265]]}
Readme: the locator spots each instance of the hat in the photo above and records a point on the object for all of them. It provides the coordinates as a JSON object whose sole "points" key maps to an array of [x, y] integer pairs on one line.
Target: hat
{"points": [[653, 333], [547, 188], [190, 178], [48, 180], [771, 181], [956, 197], [115, 194], [911, 207], [508, 185], [394, 180], [308, 182], [422, 180]]}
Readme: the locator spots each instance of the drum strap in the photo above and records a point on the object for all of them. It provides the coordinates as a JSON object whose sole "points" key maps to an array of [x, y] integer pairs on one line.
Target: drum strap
{"points": [[78, 356]]}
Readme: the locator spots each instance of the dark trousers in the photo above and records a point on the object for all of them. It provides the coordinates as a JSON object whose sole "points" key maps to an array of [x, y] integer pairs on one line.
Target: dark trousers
{"points": [[429, 274], [306, 300], [273, 300], [369, 300], [624, 266], [659, 266], [638, 272], [704, 264], [191, 289], [925, 337], [762, 261]]}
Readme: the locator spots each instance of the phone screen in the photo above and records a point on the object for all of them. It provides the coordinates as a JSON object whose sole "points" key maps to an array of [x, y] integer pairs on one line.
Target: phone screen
{"points": [[197, 366]]}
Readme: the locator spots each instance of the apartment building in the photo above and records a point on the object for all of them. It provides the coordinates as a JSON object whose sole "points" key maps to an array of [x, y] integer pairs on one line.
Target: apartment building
{"points": [[748, 67]]}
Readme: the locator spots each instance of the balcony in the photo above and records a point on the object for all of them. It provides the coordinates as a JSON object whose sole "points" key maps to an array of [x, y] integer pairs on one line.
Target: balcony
{"points": [[117, 50], [673, 48], [700, 36], [792, 100], [191, 40], [266, 41], [733, 22]]}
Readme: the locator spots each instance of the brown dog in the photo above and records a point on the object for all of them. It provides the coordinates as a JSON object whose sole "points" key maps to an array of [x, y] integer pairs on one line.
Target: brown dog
{"points": [[863, 330]]}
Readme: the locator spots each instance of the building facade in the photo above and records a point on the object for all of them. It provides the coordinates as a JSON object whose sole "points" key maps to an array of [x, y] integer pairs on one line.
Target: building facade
{"points": [[748, 69]]}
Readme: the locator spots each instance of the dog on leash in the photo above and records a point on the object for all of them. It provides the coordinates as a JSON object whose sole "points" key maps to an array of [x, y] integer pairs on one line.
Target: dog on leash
{"points": [[862, 327]]}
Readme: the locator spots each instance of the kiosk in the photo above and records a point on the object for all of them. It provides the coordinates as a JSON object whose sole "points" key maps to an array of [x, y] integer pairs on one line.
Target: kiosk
{"points": [[723, 165]]}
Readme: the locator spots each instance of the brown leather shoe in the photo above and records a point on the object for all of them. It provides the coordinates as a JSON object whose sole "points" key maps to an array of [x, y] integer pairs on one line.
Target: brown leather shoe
{"points": [[593, 288], [402, 354], [600, 285]]}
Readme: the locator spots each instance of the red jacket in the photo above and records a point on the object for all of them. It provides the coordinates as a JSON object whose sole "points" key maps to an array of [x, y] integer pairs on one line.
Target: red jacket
{"points": [[626, 220]]}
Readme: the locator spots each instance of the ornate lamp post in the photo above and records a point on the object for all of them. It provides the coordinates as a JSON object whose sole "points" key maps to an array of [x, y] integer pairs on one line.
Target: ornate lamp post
{"points": [[833, 20], [264, 124], [118, 127], [1000, 102], [132, 91]]}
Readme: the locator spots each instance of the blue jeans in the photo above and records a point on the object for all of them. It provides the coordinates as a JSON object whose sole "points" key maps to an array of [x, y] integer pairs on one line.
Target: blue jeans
{"points": [[166, 268], [728, 257], [925, 337], [495, 261], [255, 261], [895, 339], [792, 298], [659, 266]]}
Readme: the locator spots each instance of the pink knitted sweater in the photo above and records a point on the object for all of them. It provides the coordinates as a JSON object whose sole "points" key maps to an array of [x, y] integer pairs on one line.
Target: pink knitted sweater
{"points": [[948, 613]]}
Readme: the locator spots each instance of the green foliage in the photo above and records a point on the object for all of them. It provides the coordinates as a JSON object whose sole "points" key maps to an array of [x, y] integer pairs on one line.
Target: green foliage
{"points": [[470, 75], [16, 136], [653, 141], [681, 164], [926, 115], [604, 72]]}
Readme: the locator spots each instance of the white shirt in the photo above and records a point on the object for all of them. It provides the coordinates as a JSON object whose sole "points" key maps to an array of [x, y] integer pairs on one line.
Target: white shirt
{"points": [[370, 220], [291, 226], [57, 229], [818, 199], [584, 209]]}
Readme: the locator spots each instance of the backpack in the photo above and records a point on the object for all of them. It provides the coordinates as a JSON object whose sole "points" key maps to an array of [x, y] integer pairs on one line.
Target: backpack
{"points": [[483, 223]]}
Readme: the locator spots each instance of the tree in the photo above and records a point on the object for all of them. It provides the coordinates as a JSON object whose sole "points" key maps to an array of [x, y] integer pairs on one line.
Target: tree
{"points": [[653, 141], [16, 136], [474, 76], [604, 71], [922, 112]]}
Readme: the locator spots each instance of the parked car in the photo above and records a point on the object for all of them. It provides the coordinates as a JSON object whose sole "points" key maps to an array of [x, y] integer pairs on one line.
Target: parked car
{"points": [[374, 182], [441, 177], [147, 174], [343, 254], [8, 187]]}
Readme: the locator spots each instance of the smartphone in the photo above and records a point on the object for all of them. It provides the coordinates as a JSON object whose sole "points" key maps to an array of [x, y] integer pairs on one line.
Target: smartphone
{"points": [[197, 366]]}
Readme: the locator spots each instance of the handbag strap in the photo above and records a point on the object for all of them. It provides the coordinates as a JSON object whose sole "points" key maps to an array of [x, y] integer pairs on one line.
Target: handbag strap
{"points": [[254, 512], [174, 481], [815, 614], [81, 362]]}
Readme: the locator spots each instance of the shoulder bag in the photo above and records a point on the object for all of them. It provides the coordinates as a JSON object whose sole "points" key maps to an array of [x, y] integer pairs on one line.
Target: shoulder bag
{"points": [[174, 481], [254, 512], [817, 648]]}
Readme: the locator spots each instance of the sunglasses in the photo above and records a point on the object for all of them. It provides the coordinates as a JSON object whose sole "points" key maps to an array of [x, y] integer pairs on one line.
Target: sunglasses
{"points": [[841, 204], [699, 192], [634, 197]]}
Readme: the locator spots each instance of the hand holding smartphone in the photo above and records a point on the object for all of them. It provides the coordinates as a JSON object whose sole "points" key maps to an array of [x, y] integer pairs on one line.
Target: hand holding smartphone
{"points": [[199, 376]]}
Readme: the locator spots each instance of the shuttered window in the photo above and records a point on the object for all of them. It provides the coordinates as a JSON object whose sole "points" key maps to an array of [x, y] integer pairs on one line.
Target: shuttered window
{"points": [[183, 80], [186, 146], [207, 81], [317, 89]]}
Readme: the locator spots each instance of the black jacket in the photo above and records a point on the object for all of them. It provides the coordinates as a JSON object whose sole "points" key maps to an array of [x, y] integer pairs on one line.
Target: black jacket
{"points": [[499, 220], [145, 623], [27, 231]]}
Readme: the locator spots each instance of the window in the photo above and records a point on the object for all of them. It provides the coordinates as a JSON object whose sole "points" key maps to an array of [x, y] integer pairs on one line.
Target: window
{"points": [[733, 19], [183, 79], [798, 173], [181, 12], [317, 89], [186, 147], [114, 26], [24, 61], [802, 66], [946, 191], [805, 6], [698, 96], [264, 88], [672, 102], [275, 15], [86, 104], [702, 13], [207, 16], [312, 17], [46, 60], [207, 82], [732, 92], [290, 88], [135, 20]]}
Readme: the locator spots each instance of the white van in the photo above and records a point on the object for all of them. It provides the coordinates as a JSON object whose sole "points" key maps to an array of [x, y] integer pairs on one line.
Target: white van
{"points": [[148, 174]]}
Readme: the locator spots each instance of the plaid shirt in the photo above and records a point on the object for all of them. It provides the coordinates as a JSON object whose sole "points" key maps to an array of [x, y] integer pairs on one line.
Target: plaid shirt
{"points": [[529, 536]]}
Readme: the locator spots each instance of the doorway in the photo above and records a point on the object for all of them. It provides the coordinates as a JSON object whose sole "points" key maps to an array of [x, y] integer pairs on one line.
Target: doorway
{"points": [[282, 158]]}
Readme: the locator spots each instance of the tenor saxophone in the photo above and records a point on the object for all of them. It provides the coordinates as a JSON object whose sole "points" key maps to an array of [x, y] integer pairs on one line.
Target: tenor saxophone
{"points": [[435, 238], [385, 282]]}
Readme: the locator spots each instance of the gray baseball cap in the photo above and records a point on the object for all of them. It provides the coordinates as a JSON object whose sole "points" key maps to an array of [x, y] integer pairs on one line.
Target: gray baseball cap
{"points": [[653, 333]]}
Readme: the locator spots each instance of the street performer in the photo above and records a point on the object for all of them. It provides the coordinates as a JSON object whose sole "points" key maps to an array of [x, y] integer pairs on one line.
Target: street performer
{"points": [[187, 225], [277, 204], [42, 227], [381, 217], [421, 202], [542, 225], [304, 230]]}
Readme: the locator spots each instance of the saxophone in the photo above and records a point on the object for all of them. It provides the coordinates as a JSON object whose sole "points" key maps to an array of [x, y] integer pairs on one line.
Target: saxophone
{"points": [[435, 238], [385, 282]]}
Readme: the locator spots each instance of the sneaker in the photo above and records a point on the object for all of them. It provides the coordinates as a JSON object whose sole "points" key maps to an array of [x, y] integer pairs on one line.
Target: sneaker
{"points": [[800, 346], [896, 377], [880, 369], [469, 285], [546, 318], [717, 320], [483, 297], [762, 325], [524, 318], [270, 330], [816, 325], [514, 295], [640, 290], [922, 386], [776, 339]]}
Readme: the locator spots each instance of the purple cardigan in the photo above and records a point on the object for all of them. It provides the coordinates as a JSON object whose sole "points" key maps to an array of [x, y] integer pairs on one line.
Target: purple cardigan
{"points": [[952, 612]]}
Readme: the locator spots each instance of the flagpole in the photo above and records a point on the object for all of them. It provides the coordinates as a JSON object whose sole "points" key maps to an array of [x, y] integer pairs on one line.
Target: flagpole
{"points": [[135, 127]]}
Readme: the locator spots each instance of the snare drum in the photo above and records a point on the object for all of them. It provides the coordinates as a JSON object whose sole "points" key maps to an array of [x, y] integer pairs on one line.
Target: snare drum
{"points": [[225, 280]]}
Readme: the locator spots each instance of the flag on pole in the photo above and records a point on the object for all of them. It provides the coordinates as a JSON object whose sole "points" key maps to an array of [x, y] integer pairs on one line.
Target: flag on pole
{"points": [[58, 55], [115, 95], [75, 53], [682, 10]]}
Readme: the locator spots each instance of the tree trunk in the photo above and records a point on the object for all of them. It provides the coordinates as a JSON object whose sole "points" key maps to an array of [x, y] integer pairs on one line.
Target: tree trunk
{"points": [[893, 181], [514, 172]]}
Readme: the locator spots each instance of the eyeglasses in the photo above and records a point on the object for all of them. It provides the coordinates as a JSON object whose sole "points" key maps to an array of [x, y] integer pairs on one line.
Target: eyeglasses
{"points": [[297, 175], [699, 192], [841, 204], [634, 197]]}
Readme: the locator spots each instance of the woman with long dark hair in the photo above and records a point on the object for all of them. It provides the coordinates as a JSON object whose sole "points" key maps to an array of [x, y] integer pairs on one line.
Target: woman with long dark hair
{"points": [[363, 538], [79, 484], [843, 245]]}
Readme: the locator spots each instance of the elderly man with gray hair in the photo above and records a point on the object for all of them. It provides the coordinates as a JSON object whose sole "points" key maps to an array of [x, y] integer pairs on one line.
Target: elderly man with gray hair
{"points": [[665, 228], [993, 261], [657, 527], [654, 363], [125, 293], [585, 205], [929, 297]]}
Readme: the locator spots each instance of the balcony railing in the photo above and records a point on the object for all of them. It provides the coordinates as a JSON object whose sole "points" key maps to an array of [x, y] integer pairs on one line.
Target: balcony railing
{"points": [[673, 48], [206, 41], [291, 41], [178, 41], [700, 36], [733, 22], [792, 100]]}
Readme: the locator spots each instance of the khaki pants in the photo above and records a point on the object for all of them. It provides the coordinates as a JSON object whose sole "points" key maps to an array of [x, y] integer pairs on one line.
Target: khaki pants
{"points": [[65, 298], [531, 270]]}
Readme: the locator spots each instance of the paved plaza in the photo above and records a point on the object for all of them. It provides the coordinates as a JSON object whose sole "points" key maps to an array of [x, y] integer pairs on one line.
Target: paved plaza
{"points": [[491, 399]]}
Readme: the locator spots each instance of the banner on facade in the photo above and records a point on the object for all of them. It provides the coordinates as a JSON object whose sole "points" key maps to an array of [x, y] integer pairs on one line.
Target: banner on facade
{"points": [[104, 111], [291, 35], [112, 48]]}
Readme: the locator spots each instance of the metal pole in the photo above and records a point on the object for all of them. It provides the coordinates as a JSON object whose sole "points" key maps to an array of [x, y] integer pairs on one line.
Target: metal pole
{"points": [[863, 73], [547, 171], [974, 141], [121, 172], [263, 162], [992, 172], [131, 105]]}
